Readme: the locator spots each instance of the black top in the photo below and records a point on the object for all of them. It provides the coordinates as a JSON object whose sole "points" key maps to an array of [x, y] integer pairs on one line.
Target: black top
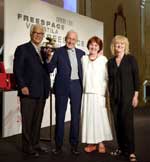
{"points": [[123, 79]]}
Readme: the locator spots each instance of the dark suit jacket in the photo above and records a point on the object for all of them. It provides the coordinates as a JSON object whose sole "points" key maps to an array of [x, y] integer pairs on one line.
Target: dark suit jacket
{"points": [[61, 61], [30, 72]]}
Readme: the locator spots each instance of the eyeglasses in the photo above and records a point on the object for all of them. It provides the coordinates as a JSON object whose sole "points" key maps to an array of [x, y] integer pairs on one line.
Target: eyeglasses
{"points": [[41, 34]]}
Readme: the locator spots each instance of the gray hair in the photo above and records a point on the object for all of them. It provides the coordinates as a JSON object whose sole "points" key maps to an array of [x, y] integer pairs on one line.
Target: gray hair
{"points": [[34, 26], [71, 31]]}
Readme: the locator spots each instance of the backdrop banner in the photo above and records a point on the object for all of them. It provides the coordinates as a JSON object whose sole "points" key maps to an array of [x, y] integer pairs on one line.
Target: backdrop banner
{"points": [[18, 18]]}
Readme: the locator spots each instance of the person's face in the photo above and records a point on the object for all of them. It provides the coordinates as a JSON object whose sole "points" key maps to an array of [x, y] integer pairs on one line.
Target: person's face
{"points": [[37, 35], [49, 48], [71, 40], [119, 47], [94, 48]]}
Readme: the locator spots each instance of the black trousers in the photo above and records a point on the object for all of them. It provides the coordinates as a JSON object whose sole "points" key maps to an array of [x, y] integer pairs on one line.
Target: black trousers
{"points": [[124, 126], [32, 113], [61, 107]]}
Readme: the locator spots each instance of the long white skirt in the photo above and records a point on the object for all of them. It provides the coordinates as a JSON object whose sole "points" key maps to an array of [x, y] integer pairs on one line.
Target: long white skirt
{"points": [[94, 119]]}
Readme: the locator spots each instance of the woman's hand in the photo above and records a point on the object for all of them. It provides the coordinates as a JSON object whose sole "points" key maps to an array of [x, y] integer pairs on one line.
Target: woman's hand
{"points": [[135, 100]]}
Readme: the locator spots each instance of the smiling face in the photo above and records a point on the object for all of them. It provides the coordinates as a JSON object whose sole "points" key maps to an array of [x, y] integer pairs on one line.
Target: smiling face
{"points": [[37, 34], [119, 47], [94, 45], [94, 48], [71, 39]]}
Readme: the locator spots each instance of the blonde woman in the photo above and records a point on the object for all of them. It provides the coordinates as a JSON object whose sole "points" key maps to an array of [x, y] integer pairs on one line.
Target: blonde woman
{"points": [[123, 86]]}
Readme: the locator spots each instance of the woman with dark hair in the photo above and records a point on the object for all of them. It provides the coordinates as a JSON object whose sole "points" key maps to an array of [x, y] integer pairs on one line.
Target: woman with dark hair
{"points": [[95, 123], [123, 87]]}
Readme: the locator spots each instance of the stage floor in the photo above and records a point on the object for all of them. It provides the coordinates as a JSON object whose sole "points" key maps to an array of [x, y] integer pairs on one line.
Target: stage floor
{"points": [[10, 148]]}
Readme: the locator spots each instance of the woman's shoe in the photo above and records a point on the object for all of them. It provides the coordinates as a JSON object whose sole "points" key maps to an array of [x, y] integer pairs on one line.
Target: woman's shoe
{"points": [[101, 148], [117, 152], [132, 158], [90, 148]]}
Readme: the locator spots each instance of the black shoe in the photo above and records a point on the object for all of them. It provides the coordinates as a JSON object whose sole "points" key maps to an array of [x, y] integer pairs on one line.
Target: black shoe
{"points": [[31, 152], [42, 149], [36, 154], [57, 150], [74, 150]]}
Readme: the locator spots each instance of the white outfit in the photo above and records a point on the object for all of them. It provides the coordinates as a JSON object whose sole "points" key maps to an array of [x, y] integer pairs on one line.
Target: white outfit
{"points": [[95, 123]]}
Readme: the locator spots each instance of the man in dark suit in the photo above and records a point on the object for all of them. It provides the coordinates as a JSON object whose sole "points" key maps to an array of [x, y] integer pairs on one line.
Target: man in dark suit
{"points": [[67, 85], [33, 84]]}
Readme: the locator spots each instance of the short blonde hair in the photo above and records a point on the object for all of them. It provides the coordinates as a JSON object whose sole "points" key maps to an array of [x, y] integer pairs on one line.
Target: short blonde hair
{"points": [[120, 38]]}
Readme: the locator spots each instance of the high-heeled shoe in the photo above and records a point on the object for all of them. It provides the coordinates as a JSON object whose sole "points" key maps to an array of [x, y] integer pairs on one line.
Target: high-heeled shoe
{"points": [[116, 152], [132, 158]]}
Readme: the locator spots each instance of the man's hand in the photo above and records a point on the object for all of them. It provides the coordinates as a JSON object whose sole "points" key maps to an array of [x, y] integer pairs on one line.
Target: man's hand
{"points": [[25, 91]]}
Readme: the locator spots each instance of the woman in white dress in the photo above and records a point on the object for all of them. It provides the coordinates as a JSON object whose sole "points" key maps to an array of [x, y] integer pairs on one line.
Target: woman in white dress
{"points": [[95, 123]]}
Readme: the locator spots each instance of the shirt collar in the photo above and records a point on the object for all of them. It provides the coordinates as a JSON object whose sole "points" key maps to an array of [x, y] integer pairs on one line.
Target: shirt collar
{"points": [[71, 49], [37, 48]]}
